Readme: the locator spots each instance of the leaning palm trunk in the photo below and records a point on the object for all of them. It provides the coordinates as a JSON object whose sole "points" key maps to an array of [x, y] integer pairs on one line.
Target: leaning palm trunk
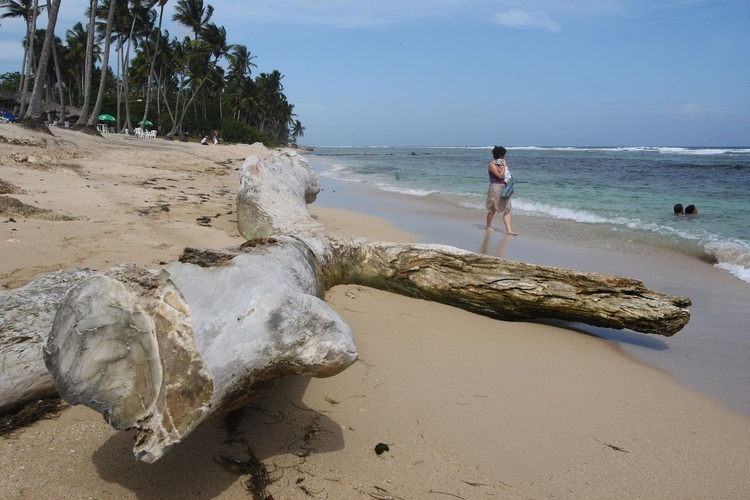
{"points": [[105, 65], [29, 61], [162, 352], [126, 78], [60, 89], [182, 108], [185, 107], [35, 106], [151, 72], [88, 72]]}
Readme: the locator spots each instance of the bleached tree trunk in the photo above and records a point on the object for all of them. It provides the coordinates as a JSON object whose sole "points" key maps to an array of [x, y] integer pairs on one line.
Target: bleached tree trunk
{"points": [[28, 314], [164, 352]]}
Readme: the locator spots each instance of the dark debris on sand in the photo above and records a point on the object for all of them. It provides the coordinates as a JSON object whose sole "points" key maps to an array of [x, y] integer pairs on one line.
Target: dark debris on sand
{"points": [[29, 414]]}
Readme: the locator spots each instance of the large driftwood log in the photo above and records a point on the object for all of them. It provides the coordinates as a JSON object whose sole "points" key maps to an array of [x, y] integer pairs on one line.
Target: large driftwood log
{"points": [[25, 323], [166, 353], [204, 336]]}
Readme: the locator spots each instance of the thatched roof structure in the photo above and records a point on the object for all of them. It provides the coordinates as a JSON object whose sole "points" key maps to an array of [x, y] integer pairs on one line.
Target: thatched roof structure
{"points": [[10, 100]]}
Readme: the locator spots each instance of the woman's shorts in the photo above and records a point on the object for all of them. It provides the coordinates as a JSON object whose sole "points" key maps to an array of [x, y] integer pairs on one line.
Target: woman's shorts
{"points": [[494, 202]]}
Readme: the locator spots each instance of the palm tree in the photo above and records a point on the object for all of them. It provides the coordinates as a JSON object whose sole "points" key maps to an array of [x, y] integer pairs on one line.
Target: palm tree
{"points": [[105, 62], [151, 73], [165, 72], [121, 29], [197, 64], [75, 40], [89, 67], [297, 130], [58, 75], [215, 38], [52, 72], [193, 15], [28, 10], [274, 109], [240, 62], [241, 100], [35, 105], [134, 21], [22, 9]]}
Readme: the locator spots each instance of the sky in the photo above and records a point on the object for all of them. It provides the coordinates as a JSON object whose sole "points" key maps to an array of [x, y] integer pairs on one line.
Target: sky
{"points": [[484, 72]]}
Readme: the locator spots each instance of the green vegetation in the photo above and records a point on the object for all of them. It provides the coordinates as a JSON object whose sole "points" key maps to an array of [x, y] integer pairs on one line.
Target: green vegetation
{"points": [[10, 81], [185, 87]]}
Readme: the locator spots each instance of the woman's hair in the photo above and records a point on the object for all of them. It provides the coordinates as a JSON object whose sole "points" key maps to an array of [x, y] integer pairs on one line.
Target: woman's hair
{"points": [[498, 152], [690, 209], [678, 208]]}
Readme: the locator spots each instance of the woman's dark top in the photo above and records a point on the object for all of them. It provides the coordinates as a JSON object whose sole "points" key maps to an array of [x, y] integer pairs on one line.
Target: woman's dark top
{"points": [[495, 179]]}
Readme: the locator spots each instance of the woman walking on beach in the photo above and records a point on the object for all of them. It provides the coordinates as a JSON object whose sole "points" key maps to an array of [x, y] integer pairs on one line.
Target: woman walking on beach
{"points": [[500, 180]]}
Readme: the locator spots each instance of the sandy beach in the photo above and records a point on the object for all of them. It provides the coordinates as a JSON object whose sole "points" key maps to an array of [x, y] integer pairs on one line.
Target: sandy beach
{"points": [[469, 407]]}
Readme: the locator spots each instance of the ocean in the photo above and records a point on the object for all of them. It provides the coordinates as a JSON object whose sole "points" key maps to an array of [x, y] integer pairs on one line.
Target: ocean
{"points": [[625, 191], [595, 209]]}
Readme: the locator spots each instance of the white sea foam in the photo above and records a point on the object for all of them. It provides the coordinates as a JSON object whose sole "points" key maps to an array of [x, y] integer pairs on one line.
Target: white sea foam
{"points": [[635, 149], [536, 208], [702, 152], [731, 256], [335, 173], [740, 272], [404, 190]]}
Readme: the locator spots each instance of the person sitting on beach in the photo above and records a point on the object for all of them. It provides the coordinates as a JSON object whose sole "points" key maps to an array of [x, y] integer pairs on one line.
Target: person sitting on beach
{"points": [[691, 210], [499, 178], [204, 140], [678, 209]]}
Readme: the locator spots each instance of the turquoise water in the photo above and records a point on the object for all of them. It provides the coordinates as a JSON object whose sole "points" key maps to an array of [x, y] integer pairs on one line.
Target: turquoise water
{"points": [[609, 189]]}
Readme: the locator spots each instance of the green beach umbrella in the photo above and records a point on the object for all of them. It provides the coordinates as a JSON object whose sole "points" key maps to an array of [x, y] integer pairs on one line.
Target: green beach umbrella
{"points": [[106, 118], [146, 123]]}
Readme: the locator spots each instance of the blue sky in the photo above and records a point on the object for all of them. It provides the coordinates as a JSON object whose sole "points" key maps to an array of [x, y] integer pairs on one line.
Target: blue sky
{"points": [[483, 72]]}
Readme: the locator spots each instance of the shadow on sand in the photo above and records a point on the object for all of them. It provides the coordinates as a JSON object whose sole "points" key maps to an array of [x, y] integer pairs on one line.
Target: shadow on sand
{"points": [[276, 424]]}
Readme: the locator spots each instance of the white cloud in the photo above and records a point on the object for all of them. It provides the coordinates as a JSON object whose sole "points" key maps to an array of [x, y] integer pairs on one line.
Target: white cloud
{"points": [[516, 18], [696, 111], [692, 111], [359, 13]]}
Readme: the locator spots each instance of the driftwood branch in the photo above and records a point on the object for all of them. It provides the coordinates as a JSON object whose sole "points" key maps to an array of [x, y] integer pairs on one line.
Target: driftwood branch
{"points": [[512, 291], [163, 352]]}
